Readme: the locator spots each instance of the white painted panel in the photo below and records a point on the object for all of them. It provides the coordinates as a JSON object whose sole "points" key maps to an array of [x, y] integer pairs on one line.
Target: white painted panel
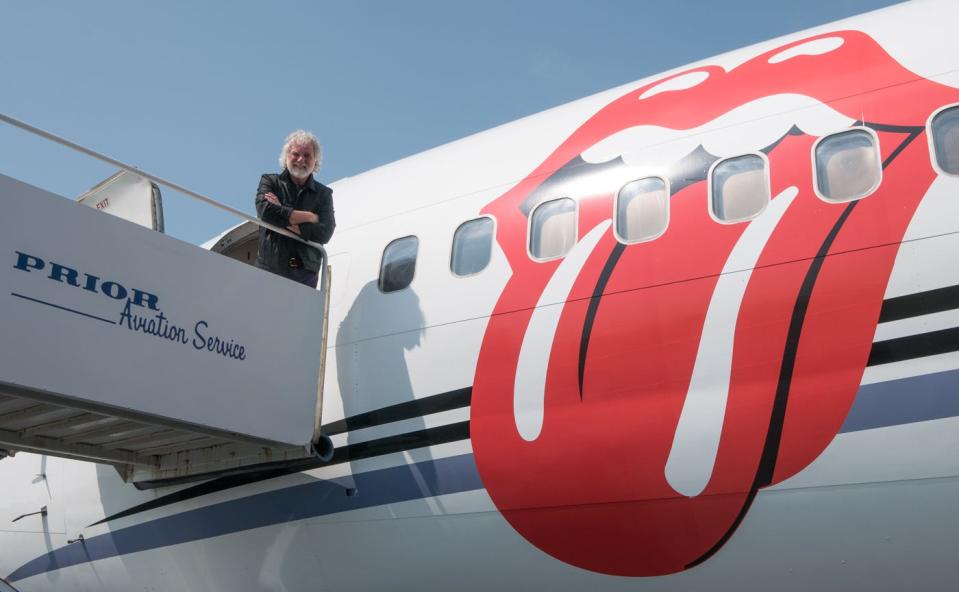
{"points": [[77, 341]]}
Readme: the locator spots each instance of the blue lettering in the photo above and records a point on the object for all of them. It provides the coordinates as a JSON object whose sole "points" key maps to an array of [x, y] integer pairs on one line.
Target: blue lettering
{"points": [[24, 262], [60, 272], [158, 326], [126, 316], [229, 349], [91, 284], [139, 296], [114, 290], [199, 341]]}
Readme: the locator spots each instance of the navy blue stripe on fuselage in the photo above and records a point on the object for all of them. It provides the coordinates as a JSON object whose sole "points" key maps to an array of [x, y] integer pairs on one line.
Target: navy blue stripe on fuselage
{"points": [[903, 401], [319, 498]]}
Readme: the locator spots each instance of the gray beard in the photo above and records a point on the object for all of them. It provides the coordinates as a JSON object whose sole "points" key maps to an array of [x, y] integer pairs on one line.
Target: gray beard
{"points": [[299, 172]]}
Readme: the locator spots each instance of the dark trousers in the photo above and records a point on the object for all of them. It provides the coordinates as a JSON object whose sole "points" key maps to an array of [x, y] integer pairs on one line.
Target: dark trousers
{"points": [[297, 274], [304, 276]]}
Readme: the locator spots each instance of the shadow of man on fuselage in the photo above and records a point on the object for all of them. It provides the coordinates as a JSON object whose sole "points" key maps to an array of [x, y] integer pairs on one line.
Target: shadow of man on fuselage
{"points": [[387, 445]]}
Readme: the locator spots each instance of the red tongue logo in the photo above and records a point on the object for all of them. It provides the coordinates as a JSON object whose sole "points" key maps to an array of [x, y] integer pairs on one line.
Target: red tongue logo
{"points": [[600, 466]]}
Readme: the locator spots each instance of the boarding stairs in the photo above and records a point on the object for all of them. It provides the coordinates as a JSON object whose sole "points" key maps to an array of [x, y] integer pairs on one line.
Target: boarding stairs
{"points": [[125, 346]]}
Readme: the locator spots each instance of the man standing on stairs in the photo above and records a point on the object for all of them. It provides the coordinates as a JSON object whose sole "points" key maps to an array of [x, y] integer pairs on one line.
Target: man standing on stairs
{"points": [[293, 199]]}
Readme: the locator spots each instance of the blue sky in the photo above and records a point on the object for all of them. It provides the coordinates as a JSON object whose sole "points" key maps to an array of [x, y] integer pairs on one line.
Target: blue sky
{"points": [[203, 93]]}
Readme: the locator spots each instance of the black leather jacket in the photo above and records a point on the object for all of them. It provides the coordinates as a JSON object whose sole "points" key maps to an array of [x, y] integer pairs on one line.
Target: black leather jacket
{"points": [[275, 249]]}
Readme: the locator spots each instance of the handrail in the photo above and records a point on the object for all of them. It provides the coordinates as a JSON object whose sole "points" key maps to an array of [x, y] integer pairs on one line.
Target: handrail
{"points": [[132, 169]]}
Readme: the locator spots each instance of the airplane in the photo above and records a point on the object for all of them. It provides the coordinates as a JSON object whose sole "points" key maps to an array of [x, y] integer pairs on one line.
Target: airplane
{"points": [[697, 332]]}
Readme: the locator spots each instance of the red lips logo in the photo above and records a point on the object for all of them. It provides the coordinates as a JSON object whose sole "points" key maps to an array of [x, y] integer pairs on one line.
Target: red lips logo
{"points": [[630, 401]]}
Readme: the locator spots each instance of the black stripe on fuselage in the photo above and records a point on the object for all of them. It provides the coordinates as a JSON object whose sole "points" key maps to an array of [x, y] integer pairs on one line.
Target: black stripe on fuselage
{"points": [[407, 410], [921, 345], [598, 292], [351, 452], [920, 303], [914, 346]]}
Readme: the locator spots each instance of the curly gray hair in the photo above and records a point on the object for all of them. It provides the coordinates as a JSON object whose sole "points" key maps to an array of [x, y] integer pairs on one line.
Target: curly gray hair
{"points": [[301, 137]]}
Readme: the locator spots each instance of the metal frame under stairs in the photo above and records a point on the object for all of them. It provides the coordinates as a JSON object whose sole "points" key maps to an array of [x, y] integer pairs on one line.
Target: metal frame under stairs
{"points": [[141, 449]]}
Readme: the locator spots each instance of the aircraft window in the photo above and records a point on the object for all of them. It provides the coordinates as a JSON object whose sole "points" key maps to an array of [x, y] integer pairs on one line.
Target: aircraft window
{"points": [[399, 264], [552, 228], [848, 166], [739, 188], [472, 246], [945, 139], [642, 210]]}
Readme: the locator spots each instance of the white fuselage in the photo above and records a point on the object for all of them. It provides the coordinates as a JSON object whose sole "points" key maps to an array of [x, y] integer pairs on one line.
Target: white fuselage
{"points": [[419, 373]]}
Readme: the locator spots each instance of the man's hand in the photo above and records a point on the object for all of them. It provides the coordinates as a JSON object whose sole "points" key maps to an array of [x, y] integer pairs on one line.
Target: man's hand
{"points": [[303, 217], [297, 217]]}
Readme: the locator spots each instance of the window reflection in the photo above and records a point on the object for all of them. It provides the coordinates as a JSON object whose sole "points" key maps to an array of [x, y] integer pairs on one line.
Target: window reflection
{"points": [[642, 210], [472, 246], [553, 228], [847, 165], [399, 264], [945, 139], [739, 188]]}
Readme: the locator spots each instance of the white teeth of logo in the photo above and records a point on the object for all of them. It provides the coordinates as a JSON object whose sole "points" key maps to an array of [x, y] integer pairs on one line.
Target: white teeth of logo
{"points": [[696, 441], [651, 149], [529, 388]]}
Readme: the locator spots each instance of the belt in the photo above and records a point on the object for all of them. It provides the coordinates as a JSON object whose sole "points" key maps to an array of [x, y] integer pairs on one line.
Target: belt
{"points": [[295, 263]]}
